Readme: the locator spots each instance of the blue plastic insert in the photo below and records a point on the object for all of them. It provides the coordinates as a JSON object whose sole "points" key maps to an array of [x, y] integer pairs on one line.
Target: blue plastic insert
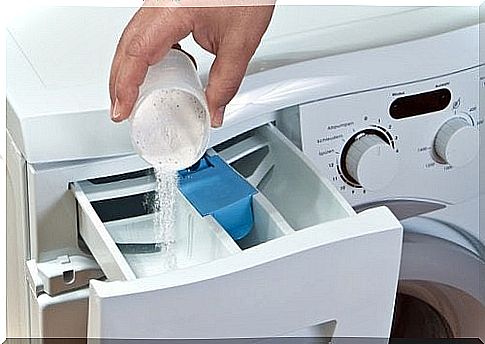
{"points": [[214, 188]]}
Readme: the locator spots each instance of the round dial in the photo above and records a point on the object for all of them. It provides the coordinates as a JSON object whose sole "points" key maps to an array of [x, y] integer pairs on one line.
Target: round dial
{"points": [[456, 142], [370, 160]]}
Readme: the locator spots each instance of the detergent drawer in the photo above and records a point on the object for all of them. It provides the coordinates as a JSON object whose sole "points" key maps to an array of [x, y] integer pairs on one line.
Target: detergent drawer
{"points": [[116, 222], [307, 259]]}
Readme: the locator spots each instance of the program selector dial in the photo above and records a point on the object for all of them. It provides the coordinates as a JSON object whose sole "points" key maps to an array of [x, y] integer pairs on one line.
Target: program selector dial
{"points": [[370, 160], [456, 142]]}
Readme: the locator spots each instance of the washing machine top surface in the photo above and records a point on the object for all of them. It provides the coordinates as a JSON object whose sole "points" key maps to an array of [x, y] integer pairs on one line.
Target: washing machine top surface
{"points": [[58, 61]]}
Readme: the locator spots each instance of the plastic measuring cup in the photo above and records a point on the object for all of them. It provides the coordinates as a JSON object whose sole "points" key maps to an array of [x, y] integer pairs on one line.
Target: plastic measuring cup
{"points": [[170, 122]]}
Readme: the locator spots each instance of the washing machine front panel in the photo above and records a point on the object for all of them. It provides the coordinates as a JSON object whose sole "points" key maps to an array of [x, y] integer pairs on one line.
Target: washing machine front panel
{"points": [[412, 141], [413, 147]]}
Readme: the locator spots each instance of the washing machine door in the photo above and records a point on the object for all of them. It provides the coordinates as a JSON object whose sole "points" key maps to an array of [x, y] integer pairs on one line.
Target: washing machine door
{"points": [[442, 275]]}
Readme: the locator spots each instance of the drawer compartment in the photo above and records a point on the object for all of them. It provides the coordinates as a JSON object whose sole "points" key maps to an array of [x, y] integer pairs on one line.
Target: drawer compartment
{"points": [[126, 248], [117, 223], [285, 176]]}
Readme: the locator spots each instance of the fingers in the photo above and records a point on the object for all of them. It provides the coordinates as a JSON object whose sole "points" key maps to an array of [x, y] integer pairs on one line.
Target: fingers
{"points": [[130, 76], [147, 38], [125, 39], [225, 77]]}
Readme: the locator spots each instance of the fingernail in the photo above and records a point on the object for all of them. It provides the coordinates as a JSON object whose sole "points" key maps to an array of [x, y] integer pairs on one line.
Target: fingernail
{"points": [[218, 116], [115, 113]]}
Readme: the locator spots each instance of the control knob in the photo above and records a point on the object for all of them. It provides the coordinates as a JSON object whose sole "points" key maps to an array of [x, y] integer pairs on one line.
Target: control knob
{"points": [[456, 142], [370, 161]]}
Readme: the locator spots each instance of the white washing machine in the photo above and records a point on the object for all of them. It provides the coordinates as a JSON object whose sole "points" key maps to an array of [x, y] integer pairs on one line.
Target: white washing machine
{"points": [[327, 127]]}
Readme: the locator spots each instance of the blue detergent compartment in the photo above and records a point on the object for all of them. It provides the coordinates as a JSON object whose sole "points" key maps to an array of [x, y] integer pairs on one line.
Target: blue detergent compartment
{"points": [[214, 188]]}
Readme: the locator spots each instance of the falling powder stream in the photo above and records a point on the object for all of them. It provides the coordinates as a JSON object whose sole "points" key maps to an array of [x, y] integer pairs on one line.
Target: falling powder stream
{"points": [[164, 210], [169, 130]]}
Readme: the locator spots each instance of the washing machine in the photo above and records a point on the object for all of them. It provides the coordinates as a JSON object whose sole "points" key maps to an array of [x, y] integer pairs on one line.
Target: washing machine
{"points": [[358, 154]]}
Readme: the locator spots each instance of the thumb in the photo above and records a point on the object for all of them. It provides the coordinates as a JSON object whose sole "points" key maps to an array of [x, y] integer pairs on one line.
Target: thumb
{"points": [[225, 77]]}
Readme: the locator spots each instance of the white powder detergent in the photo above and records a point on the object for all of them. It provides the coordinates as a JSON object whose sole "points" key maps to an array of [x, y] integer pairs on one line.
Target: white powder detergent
{"points": [[169, 129], [164, 210]]}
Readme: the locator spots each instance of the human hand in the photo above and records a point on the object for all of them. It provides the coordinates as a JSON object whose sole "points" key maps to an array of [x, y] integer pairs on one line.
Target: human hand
{"points": [[231, 33]]}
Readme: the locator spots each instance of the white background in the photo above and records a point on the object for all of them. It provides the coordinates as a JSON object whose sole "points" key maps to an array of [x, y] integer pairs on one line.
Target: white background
{"points": [[12, 9]]}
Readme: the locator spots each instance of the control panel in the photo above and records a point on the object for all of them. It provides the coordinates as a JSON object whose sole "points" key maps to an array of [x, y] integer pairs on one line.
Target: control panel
{"points": [[417, 140]]}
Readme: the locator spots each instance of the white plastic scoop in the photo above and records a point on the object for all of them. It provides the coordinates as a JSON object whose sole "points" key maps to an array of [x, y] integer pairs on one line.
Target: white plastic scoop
{"points": [[170, 122]]}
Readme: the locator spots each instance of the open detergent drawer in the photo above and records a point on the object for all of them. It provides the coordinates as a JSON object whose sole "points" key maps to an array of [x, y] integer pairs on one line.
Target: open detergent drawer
{"points": [[308, 259], [125, 246]]}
